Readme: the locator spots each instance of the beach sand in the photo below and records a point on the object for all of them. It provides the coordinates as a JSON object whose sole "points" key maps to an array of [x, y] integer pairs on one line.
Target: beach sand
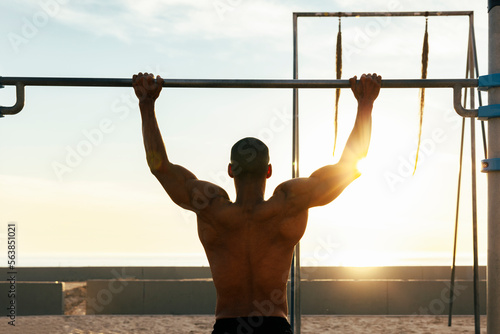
{"points": [[76, 322], [203, 324]]}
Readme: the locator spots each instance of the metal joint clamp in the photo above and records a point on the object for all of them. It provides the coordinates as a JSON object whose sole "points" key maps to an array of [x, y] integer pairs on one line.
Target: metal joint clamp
{"points": [[484, 83], [490, 165]]}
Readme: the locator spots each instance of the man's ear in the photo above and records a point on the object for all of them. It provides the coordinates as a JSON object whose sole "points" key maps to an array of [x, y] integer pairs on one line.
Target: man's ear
{"points": [[269, 171], [230, 171]]}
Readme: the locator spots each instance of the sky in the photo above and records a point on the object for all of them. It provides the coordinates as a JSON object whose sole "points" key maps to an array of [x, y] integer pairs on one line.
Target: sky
{"points": [[73, 174]]}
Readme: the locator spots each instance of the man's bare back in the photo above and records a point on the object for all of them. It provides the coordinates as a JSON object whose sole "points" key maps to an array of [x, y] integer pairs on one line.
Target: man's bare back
{"points": [[250, 249], [249, 242]]}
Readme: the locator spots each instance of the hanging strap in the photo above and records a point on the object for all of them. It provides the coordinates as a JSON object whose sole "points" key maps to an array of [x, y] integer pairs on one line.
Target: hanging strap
{"points": [[338, 64], [425, 60]]}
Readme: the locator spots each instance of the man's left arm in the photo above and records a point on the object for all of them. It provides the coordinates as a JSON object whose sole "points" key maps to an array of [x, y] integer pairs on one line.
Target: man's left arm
{"points": [[332, 180], [328, 182]]}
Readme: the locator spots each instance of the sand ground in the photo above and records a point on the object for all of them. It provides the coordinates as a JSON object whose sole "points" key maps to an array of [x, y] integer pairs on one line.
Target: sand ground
{"points": [[76, 322], [203, 324]]}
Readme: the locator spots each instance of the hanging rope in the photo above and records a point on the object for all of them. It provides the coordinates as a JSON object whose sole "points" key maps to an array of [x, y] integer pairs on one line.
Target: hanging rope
{"points": [[425, 60], [338, 64]]}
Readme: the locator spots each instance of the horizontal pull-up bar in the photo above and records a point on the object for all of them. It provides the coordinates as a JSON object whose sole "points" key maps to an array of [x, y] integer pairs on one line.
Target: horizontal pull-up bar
{"points": [[234, 83], [375, 14], [21, 82]]}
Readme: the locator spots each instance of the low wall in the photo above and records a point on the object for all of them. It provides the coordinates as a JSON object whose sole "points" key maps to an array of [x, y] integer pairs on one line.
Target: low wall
{"points": [[39, 298], [81, 274], [189, 290], [151, 297], [388, 297], [341, 297]]}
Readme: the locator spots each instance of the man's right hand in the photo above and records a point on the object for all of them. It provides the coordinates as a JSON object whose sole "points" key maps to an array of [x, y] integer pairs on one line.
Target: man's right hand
{"points": [[367, 88], [146, 88]]}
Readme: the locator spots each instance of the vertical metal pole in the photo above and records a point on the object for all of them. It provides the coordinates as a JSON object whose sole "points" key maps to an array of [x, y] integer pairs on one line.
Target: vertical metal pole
{"points": [[476, 66], [295, 272], [477, 311], [493, 310]]}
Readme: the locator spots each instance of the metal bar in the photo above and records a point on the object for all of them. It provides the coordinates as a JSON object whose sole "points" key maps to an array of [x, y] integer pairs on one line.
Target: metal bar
{"points": [[295, 311], [457, 104], [21, 82], [235, 83], [493, 302], [16, 108], [377, 14], [477, 310], [479, 96]]}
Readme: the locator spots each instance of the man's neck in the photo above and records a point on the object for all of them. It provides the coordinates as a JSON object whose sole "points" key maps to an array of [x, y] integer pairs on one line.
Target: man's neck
{"points": [[249, 192]]}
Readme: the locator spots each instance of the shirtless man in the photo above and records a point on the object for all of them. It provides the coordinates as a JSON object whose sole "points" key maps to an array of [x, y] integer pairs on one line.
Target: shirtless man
{"points": [[249, 242]]}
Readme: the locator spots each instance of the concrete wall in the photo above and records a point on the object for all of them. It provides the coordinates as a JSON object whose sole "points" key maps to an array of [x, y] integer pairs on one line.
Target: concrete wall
{"points": [[341, 297], [70, 274], [388, 297], [40, 298], [415, 272], [81, 274], [151, 297], [189, 290]]}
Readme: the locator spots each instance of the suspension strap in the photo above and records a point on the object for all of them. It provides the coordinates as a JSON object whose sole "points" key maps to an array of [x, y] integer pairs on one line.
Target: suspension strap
{"points": [[338, 65], [425, 61]]}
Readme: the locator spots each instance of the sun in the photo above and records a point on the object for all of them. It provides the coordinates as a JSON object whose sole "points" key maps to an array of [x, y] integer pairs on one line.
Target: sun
{"points": [[363, 165]]}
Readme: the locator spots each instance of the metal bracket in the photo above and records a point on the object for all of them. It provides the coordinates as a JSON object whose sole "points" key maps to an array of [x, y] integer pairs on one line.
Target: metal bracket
{"points": [[457, 103], [490, 165], [484, 112], [488, 81], [16, 108]]}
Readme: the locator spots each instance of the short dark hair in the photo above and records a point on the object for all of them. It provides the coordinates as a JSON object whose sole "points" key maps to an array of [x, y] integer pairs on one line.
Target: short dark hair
{"points": [[249, 158]]}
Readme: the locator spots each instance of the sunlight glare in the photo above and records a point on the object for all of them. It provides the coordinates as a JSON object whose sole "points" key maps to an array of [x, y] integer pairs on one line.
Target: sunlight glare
{"points": [[362, 166], [360, 258]]}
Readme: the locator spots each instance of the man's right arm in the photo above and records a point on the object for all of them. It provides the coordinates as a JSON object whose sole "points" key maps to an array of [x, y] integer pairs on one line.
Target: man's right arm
{"points": [[181, 185]]}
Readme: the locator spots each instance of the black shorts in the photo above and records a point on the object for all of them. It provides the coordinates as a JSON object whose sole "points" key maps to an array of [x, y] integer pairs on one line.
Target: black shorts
{"points": [[252, 325]]}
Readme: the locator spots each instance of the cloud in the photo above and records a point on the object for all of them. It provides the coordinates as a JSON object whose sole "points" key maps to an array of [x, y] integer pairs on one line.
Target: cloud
{"points": [[177, 19]]}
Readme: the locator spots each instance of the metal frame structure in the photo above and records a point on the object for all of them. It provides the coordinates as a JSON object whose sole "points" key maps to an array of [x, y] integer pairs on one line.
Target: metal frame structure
{"points": [[295, 312], [295, 84]]}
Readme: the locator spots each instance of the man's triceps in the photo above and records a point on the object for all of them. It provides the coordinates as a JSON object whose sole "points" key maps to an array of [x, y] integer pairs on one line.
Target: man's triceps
{"points": [[295, 194], [176, 180], [330, 181]]}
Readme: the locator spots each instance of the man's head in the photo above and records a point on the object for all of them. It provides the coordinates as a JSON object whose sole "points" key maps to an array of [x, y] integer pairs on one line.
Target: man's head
{"points": [[249, 159]]}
